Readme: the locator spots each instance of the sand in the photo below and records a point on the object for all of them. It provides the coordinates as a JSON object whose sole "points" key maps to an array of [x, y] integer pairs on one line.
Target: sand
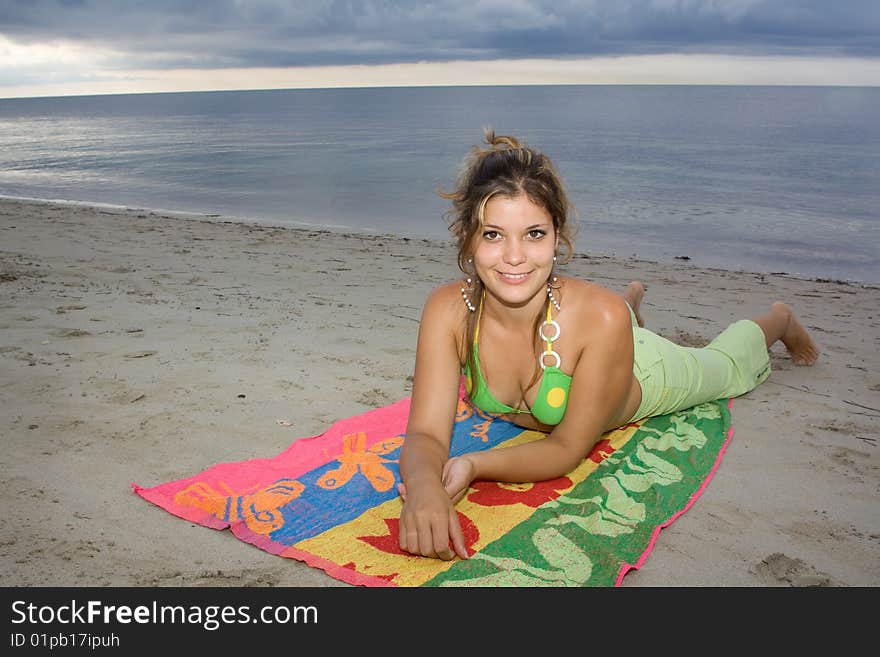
{"points": [[143, 346]]}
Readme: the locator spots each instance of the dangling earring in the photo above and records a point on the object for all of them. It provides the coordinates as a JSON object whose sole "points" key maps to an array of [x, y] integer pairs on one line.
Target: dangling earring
{"points": [[465, 291], [552, 298], [465, 297], [553, 275], [551, 286]]}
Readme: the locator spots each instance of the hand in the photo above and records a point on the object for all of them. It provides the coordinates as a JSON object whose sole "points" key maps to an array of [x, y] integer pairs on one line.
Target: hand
{"points": [[429, 523], [458, 473]]}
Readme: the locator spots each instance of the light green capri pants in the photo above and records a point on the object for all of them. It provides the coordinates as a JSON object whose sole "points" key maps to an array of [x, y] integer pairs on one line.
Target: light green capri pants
{"points": [[675, 377]]}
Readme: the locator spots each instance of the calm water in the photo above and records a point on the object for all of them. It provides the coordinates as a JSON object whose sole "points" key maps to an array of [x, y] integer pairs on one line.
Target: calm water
{"points": [[759, 178]]}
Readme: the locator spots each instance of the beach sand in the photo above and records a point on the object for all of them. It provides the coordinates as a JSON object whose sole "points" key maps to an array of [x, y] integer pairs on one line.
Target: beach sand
{"points": [[141, 346]]}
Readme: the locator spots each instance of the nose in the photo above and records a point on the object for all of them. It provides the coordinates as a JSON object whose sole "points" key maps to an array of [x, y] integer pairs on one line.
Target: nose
{"points": [[514, 254]]}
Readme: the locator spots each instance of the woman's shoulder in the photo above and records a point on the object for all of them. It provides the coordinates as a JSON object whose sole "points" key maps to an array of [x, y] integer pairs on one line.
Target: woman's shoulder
{"points": [[446, 301], [447, 292], [593, 304], [444, 316]]}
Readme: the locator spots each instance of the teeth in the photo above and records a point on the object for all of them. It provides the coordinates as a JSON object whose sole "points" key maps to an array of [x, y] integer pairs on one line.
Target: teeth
{"points": [[514, 275]]}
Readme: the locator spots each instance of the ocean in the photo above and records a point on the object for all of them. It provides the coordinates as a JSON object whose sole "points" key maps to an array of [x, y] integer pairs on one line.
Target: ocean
{"points": [[763, 179]]}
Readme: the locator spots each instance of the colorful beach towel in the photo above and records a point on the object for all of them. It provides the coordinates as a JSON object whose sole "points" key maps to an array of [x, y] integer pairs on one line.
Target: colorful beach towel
{"points": [[332, 501]]}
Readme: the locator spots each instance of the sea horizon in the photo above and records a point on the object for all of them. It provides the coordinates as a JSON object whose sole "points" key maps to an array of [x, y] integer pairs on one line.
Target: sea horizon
{"points": [[759, 178], [441, 86]]}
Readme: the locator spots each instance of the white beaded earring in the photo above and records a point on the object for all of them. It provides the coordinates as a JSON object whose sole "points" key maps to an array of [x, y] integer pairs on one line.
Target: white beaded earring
{"points": [[550, 295], [550, 287], [465, 297], [465, 291]]}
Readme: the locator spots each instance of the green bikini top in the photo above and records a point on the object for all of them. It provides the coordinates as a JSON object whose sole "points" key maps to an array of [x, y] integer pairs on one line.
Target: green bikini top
{"points": [[552, 398]]}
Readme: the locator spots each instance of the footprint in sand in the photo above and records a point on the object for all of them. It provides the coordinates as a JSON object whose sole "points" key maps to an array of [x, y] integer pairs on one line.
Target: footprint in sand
{"points": [[374, 397], [779, 569], [60, 310], [70, 333]]}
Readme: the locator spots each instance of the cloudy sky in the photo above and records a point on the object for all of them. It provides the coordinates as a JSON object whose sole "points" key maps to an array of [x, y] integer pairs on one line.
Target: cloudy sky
{"points": [[60, 47]]}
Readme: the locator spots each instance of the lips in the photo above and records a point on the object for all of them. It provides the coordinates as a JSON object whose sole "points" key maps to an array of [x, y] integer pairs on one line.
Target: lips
{"points": [[513, 279]]}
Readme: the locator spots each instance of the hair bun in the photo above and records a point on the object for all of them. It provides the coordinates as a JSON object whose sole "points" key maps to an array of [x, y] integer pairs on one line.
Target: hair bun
{"points": [[501, 142]]}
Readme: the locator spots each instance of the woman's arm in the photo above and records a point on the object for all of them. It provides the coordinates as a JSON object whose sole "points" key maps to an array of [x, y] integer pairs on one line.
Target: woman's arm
{"points": [[428, 520], [600, 385]]}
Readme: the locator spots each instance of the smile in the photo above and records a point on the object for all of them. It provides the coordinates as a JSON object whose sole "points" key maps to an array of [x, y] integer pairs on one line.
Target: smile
{"points": [[513, 278]]}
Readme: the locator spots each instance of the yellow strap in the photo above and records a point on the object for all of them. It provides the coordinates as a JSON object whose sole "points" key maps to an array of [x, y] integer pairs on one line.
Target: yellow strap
{"points": [[479, 316]]}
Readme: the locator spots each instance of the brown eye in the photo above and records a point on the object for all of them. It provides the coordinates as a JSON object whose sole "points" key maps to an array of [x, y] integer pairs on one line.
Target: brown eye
{"points": [[491, 235]]}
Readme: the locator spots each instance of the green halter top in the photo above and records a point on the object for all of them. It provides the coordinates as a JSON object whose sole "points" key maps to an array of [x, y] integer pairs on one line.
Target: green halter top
{"points": [[552, 398]]}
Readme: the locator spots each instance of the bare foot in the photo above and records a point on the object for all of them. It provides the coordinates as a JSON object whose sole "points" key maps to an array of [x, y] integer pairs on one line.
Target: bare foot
{"points": [[633, 295], [800, 345]]}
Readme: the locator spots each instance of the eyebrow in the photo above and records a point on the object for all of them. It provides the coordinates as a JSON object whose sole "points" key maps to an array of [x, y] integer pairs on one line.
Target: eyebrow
{"points": [[532, 227]]}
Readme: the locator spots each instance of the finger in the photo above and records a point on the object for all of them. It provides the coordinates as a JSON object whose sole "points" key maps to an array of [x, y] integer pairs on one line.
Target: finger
{"points": [[426, 539], [458, 496], [456, 490], [449, 483], [441, 543], [408, 536], [444, 475], [457, 535], [401, 534]]}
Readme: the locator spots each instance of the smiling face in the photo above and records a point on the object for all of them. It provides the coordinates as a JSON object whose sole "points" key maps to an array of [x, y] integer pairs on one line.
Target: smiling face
{"points": [[513, 254]]}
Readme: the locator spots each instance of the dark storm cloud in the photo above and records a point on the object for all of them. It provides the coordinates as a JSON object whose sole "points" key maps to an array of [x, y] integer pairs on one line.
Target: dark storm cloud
{"points": [[222, 33]]}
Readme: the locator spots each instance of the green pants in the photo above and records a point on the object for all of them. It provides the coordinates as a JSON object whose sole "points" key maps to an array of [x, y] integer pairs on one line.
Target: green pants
{"points": [[675, 377]]}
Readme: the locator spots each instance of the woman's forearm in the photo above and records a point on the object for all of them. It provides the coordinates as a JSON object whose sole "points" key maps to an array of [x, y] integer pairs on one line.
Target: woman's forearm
{"points": [[536, 461]]}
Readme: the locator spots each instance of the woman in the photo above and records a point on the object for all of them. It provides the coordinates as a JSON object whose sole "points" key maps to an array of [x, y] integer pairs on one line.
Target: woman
{"points": [[548, 352]]}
